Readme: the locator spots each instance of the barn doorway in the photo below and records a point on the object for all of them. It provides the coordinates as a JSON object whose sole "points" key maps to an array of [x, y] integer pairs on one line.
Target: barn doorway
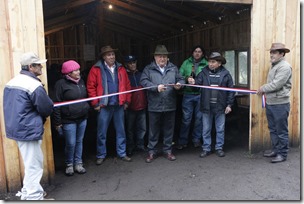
{"points": [[77, 30]]}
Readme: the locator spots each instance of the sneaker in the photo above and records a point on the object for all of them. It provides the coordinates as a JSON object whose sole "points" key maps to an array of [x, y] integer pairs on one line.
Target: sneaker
{"points": [[180, 147], [220, 153], [79, 169], [170, 156], [69, 171], [99, 161], [204, 154], [126, 159], [150, 158]]}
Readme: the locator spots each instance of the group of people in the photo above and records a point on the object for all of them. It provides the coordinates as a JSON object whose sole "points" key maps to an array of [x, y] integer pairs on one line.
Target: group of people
{"points": [[26, 106]]}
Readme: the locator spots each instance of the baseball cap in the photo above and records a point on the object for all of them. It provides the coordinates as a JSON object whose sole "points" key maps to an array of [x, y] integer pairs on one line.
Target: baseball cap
{"points": [[31, 58]]}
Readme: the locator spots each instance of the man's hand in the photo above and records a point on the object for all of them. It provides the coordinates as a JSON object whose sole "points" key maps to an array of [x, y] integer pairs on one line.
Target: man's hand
{"points": [[97, 108], [161, 88], [126, 106], [259, 91], [177, 86], [228, 110]]}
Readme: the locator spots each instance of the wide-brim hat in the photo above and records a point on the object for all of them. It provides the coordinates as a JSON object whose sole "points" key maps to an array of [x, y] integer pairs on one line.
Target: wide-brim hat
{"points": [[218, 57], [161, 50], [106, 49], [279, 46]]}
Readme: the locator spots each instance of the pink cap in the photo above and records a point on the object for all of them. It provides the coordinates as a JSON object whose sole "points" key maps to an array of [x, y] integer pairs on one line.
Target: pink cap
{"points": [[69, 66]]}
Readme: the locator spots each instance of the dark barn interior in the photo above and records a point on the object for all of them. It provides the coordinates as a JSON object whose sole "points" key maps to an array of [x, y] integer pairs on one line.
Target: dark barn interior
{"points": [[77, 29]]}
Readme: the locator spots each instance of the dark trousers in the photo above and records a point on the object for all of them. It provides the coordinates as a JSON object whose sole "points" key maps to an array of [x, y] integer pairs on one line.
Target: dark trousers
{"points": [[161, 123], [277, 116]]}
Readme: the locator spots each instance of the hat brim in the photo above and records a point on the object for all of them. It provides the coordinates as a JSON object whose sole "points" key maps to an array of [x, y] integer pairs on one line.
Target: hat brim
{"points": [[286, 49], [102, 53], [161, 53], [41, 61], [221, 59]]}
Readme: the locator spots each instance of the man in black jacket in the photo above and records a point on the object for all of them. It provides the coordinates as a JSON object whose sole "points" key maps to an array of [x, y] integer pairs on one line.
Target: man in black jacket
{"points": [[215, 104]]}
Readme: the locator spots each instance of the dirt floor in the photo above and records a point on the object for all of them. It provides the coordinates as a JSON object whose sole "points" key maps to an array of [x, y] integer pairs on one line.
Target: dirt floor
{"points": [[237, 176]]}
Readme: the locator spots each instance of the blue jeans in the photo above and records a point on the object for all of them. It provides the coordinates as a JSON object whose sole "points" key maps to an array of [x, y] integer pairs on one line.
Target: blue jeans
{"points": [[104, 118], [161, 123], [220, 130], [136, 129], [190, 104], [277, 117], [73, 134]]}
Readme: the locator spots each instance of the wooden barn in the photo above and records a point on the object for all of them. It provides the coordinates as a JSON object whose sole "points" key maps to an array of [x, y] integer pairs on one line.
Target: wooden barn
{"points": [[242, 30]]}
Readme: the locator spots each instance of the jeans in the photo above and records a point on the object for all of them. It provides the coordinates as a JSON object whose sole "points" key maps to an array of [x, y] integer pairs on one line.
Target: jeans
{"points": [[74, 134], [277, 117], [103, 120], [33, 169], [190, 105], [161, 123], [220, 118], [136, 129]]}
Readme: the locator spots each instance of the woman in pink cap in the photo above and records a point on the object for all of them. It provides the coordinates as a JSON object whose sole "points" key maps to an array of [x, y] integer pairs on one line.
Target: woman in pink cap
{"points": [[71, 119]]}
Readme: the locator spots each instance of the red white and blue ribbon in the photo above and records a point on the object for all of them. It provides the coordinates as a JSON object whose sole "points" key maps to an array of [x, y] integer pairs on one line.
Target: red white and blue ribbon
{"points": [[58, 104]]}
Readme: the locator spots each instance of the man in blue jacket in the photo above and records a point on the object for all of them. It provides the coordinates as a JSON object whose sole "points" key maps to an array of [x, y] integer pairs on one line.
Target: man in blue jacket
{"points": [[26, 106]]}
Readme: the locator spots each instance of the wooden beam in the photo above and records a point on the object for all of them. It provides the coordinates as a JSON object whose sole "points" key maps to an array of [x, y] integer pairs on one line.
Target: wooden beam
{"points": [[55, 7], [149, 22], [132, 26], [221, 1], [63, 25], [163, 11], [125, 31], [144, 12]]}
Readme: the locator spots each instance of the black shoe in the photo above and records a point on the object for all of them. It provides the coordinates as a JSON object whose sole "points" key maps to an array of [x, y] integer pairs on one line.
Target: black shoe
{"points": [[180, 147], [269, 154], [204, 154], [278, 158], [197, 144], [220, 153], [129, 153]]}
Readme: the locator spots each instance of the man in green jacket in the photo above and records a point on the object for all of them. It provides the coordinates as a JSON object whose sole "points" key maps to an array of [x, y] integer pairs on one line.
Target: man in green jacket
{"points": [[191, 99]]}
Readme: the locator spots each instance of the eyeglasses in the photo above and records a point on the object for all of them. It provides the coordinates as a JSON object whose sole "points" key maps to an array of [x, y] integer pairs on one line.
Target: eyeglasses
{"points": [[134, 62]]}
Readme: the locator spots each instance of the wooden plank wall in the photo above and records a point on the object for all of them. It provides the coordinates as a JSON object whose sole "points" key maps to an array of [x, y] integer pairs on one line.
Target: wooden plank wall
{"points": [[273, 21], [22, 30]]}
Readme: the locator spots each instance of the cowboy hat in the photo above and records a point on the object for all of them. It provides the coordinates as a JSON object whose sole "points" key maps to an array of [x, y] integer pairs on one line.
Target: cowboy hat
{"points": [[161, 50], [106, 49], [218, 57], [279, 46]]}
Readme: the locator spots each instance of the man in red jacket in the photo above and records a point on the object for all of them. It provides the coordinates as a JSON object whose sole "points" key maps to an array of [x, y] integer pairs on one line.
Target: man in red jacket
{"points": [[108, 76], [136, 113]]}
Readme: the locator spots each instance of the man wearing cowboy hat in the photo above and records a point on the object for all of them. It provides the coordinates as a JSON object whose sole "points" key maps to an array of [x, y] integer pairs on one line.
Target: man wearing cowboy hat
{"points": [[161, 101], [215, 104], [277, 92], [109, 77]]}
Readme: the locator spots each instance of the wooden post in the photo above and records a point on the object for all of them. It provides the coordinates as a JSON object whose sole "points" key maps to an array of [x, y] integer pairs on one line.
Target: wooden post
{"points": [[273, 21], [22, 30]]}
